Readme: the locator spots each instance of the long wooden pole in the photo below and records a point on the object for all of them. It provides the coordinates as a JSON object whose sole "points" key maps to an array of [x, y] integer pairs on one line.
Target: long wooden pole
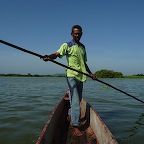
{"points": [[38, 55]]}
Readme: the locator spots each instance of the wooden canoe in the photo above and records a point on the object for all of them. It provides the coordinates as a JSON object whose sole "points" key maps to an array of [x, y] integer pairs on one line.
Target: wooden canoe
{"points": [[57, 129]]}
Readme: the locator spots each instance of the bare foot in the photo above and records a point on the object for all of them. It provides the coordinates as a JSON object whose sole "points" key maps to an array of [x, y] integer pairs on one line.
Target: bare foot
{"points": [[76, 132]]}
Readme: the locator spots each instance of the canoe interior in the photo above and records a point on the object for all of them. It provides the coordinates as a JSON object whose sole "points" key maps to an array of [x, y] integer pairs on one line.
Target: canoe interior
{"points": [[58, 130]]}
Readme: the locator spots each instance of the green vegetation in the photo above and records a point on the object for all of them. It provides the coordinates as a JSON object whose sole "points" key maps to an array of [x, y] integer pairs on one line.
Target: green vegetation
{"points": [[134, 76], [30, 75], [108, 74], [100, 74]]}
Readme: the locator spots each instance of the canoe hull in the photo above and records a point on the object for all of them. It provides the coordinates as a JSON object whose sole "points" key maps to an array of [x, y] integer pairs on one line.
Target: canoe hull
{"points": [[57, 129], [100, 130]]}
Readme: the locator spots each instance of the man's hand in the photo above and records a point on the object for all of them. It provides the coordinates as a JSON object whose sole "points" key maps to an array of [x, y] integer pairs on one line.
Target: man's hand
{"points": [[49, 57], [93, 76], [46, 58]]}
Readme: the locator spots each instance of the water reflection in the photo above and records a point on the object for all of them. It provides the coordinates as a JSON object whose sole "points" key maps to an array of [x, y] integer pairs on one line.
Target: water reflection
{"points": [[133, 130]]}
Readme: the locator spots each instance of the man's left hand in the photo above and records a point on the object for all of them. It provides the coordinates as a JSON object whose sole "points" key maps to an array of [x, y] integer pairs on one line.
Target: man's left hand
{"points": [[93, 76]]}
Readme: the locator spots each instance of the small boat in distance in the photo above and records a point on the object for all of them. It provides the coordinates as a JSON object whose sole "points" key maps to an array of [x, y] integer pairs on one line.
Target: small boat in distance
{"points": [[57, 129]]}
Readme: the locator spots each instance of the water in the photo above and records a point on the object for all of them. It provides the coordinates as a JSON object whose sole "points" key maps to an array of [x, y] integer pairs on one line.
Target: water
{"points": [[26, 103]]}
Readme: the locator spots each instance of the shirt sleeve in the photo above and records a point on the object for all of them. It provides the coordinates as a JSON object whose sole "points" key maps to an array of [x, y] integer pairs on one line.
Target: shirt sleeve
{"points": [[85, 57], [63, 50]]}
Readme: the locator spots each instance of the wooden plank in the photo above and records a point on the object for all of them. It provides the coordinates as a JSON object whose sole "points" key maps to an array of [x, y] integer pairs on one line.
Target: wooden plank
{"points": [[58, 131], [87, 137], [101, 131]]}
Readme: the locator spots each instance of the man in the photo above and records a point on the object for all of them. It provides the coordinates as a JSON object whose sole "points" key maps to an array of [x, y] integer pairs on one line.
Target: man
{"points": [[76, 57]]}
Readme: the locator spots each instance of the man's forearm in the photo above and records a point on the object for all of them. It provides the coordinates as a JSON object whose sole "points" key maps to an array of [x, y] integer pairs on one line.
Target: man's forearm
{"points": [[87, 69]]}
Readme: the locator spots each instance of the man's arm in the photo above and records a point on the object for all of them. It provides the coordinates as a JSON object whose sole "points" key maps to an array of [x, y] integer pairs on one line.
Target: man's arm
{"points": [[89, 71], [51, 56]]}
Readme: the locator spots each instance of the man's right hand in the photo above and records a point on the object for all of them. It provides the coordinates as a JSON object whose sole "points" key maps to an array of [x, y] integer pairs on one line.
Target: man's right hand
{"points": [[49, 57], [46, 58]]}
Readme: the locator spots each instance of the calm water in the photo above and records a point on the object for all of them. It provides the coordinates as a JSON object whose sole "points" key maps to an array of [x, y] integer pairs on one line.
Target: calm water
{"points": [[26, 103]]}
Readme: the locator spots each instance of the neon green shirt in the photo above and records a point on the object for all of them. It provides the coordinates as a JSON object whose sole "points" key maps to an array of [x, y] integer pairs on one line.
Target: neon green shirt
{"points": [[76, 58]]}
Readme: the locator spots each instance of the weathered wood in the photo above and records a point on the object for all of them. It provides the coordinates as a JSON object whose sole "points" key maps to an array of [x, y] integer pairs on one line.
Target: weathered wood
{"points": [[100, 130], [58, 130]]}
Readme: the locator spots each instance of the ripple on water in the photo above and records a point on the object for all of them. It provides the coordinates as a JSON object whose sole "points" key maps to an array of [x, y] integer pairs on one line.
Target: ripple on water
{"points": [[26, 103]]}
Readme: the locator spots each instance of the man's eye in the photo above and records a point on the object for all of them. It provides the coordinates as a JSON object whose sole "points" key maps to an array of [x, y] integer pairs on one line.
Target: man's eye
{"points": [[77, 33]]}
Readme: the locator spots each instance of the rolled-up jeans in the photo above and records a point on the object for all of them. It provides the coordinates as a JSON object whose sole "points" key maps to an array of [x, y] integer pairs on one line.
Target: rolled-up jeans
{"points": [[75, 87]]}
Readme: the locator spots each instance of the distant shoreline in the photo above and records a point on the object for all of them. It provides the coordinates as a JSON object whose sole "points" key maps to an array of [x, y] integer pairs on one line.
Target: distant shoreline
{"points": [[55, 75], [30, 75]]}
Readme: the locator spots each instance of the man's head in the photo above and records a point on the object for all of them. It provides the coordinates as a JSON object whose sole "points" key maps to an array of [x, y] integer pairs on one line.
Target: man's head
{"points": [[76, 33]]}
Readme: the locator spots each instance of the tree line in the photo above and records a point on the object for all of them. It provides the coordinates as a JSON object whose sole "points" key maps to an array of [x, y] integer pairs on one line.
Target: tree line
{"points": [[108, 74], [100, 74], [32, 75]]}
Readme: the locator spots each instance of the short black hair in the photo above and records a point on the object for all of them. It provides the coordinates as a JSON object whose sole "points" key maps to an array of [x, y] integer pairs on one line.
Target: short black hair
{"points": [[76, 26]]}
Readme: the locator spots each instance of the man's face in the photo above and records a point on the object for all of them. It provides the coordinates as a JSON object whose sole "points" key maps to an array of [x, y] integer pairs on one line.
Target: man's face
{"points": [[76, 34]]}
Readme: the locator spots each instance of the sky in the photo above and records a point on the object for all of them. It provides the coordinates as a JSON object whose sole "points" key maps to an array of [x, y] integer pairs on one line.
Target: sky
{"points": [[113, 33]]}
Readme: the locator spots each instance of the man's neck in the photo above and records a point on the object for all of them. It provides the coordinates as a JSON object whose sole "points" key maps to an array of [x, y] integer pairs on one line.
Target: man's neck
{"points": [[77, 42]]}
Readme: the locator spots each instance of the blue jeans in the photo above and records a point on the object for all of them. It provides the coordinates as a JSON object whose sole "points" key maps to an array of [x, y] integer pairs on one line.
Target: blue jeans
{"points": [[75, 87]]}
